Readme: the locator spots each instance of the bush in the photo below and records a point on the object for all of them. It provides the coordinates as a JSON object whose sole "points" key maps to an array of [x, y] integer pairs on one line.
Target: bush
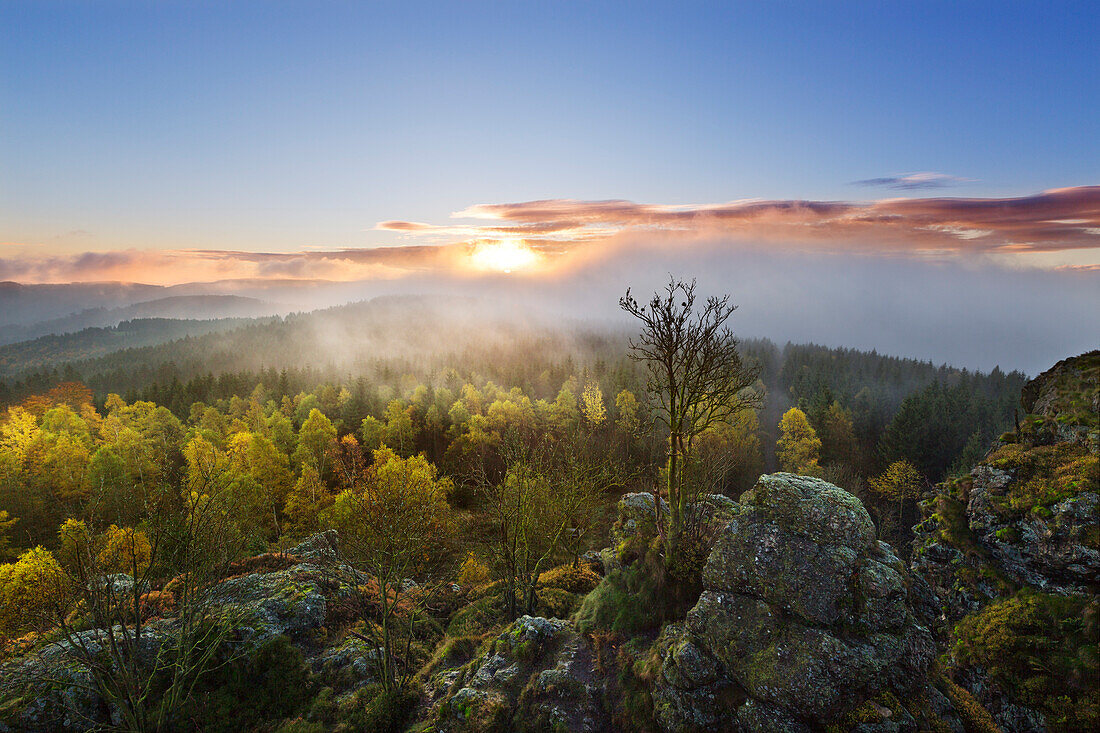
{"points": [[387, 712], [473, 571], [580, 579], [557, 603], [271, 684], [642, 597], [1041, 648]]}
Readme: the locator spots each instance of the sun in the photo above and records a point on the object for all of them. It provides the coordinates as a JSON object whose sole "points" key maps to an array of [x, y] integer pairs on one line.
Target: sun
{"points": [[504, 255]]}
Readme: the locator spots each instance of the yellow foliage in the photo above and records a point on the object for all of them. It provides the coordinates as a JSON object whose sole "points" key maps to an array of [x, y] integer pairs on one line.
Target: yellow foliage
{"points": [[799, 448], [900, 481], [473, 571], [125, 550], [28, 588], [592, 405]]}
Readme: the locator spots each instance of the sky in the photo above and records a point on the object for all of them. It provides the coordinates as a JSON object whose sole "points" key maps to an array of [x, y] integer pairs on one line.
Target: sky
{"points": [[167, 142]]}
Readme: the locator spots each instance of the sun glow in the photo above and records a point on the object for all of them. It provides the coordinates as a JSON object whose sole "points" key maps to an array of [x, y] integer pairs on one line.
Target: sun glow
{"points": [[504, 255]]}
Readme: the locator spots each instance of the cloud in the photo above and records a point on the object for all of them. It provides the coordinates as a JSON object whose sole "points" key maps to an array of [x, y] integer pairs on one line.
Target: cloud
{"points": [[179, 266], [915, 181], [1054, 220], [571, 234]]}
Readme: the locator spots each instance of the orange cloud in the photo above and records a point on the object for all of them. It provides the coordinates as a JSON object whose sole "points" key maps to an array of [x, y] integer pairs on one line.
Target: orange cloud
{"points": [[569, 233], [1055, 220]]}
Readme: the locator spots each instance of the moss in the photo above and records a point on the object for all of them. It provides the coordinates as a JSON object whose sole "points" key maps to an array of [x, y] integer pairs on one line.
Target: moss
{"points": [[975, 718], [1042, 649], [1044, 475], [478, 617], [557, 603], [640, 598], [1008, 534]]}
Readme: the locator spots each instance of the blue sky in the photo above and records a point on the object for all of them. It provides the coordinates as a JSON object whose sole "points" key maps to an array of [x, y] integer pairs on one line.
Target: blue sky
{"points": [[283, 126]]}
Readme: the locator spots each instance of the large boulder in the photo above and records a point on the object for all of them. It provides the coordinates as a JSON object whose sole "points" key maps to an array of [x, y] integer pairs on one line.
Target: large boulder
{"points": [[802, 611], [51, 686], [266, 605]]}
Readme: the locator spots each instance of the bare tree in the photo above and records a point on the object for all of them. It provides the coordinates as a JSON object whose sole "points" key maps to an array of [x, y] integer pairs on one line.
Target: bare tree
{"points": [[695, 374]]}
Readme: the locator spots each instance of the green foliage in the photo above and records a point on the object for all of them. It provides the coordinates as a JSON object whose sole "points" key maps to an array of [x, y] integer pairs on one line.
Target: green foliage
{"points": [[1041, 648], [269, 684], [387, 712], [934, 426], [641, 597]]}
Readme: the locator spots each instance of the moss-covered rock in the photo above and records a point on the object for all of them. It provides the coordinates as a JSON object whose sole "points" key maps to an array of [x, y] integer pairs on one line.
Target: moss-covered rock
{"points": [[1013, 553], [803, 617]]}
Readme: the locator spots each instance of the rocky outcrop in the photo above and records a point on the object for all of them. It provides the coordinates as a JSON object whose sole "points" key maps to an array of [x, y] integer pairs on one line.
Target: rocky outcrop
{"points": [[804, 616], [50, 687], [1022, 530], [537, 674], [1027, 515]]}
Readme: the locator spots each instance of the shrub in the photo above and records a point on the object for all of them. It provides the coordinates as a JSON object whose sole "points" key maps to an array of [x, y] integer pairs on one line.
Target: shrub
{"points": [[473, 571], [580, 579], [387, 711], [270, 684], [1042, 648], [557, 603]]}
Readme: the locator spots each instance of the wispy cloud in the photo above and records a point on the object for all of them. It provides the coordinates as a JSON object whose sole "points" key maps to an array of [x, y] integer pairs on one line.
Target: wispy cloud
{"points": [[1054, 220], [915, 181], [572, 233]]}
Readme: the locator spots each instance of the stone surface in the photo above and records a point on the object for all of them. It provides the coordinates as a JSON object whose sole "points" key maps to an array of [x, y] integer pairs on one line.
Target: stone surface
{"points": [[802, 610]]}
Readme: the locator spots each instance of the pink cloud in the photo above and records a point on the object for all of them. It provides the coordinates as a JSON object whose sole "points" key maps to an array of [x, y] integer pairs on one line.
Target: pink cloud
{"points": [[573, 233]]}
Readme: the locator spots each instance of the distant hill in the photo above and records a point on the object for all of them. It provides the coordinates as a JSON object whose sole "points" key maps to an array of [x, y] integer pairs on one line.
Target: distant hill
{"points": [[90, 343], [186, 307], [25, 304]]}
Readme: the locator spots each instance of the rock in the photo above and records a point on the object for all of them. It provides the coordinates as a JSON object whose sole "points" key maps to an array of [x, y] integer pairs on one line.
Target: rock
{"points": [[538, 670], [1023, 521], [760, 717], [286, 602], [802, 611], [637, 518], [321, 547], [348, 666], [54, 685], [811, 508], [635, 527]]}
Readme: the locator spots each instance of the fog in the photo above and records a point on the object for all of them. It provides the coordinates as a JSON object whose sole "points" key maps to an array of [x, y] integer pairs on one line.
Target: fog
{"points": [[973, 315], [968, 312]]}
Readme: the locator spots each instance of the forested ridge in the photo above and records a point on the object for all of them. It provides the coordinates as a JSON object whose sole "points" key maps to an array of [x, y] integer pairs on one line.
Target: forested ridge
{"points": [[454, 383]]}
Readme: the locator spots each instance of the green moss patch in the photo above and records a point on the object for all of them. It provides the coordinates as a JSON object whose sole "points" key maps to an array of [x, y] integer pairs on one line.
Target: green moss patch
{"points": [[1042, 649]]}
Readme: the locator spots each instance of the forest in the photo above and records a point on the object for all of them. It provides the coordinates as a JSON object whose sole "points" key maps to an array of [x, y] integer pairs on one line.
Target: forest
{"points": [[93, 434]]}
